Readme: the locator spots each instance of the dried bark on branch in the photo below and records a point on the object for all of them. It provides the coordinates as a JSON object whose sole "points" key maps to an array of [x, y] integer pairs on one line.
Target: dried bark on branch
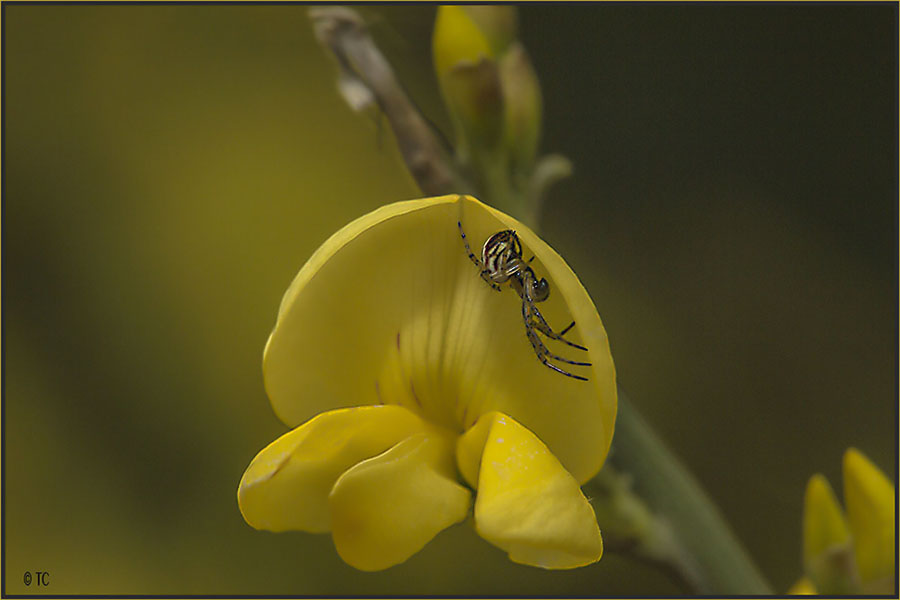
{"points": [[366, 79]]}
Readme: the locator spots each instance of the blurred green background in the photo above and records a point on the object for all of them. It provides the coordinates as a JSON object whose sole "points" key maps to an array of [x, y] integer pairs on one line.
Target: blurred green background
{"points": [[169, 168]]}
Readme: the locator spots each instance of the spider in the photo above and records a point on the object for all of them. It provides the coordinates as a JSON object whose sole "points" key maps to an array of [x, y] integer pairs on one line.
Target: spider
{"points": [[501, 261]]}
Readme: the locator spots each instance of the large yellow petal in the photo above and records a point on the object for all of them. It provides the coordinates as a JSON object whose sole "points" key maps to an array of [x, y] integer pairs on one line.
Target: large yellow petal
{"points": [[529, 505], [394, 297], [286, 486], [870, 509], [387, 508]]}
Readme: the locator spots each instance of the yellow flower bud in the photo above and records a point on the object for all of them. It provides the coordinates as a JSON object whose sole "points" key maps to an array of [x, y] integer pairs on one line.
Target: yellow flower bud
{"points": [[869, 496], [852, 554], [498, 23], [469, 79], [827, 554]]}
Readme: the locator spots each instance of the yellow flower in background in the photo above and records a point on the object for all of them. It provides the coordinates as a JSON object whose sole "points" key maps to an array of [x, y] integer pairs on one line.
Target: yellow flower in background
{"points": [[869, 496], [803, 587], [852, 554], [487, 82], [412, 389], [827, 555]]}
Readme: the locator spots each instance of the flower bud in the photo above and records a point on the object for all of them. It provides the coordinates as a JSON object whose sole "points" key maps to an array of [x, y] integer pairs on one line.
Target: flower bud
{"points": [[853, 554], [827, 552], [869, 496], [522, 109], [468, 78], [497, 22]]}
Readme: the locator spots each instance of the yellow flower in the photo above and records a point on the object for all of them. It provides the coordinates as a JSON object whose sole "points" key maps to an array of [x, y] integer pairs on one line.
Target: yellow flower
{"points": [[412, 387], [855, 554]]}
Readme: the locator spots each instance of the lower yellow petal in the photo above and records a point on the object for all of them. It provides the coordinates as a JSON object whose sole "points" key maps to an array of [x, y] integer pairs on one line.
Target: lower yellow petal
{"points": [[870, 509], [387, 508], [286, 486], [470, 449], [528, 504]]}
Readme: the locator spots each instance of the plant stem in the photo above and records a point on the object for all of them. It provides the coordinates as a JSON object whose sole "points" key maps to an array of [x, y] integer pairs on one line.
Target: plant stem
{"points": [[366, 78], [706, 552]]}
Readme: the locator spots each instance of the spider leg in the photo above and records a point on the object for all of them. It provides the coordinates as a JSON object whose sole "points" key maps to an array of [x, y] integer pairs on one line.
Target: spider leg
{"points": [[472, 257], [544, 328], [485, 274], [531, 286], [541, 350], [544, 360], [513, 269], [570, 326]]}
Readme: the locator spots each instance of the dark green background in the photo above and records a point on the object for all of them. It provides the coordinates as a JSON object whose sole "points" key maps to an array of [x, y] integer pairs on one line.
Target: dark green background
{"points": [[169, 168]]}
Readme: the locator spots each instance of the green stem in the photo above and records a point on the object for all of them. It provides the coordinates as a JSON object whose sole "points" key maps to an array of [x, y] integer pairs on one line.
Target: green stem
{"points": [[683, 531], [707, 553], [662, 515]]}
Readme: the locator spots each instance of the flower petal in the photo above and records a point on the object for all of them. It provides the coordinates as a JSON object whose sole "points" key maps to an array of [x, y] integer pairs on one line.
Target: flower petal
{"points": [[387, 508], [395, 295], [827, 554], [286, 486], [870, 509], [823, 521], [529, 505], [470, 449]]}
